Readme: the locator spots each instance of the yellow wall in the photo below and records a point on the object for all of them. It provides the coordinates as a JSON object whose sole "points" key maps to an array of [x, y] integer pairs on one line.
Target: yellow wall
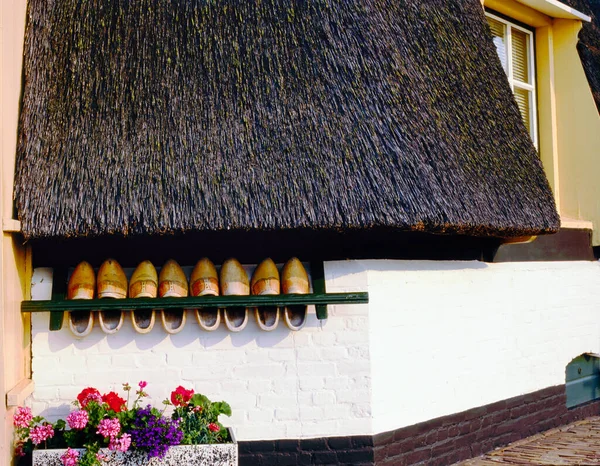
{"points": [[569, 122], [14, 257], [578, 125]]}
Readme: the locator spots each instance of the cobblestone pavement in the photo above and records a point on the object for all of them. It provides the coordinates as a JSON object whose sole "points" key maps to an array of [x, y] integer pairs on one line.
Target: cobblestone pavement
{"points": [[574, 444]]}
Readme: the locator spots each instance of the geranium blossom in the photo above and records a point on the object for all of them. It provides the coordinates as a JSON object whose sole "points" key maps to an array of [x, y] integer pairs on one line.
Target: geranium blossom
{"points": [[19, 450], [114, 401], [94, 424], [70, 457], [22, 417], [78, 419], [109, 428], [120, 444], [40, 434], [181, 397], [87, 395]]}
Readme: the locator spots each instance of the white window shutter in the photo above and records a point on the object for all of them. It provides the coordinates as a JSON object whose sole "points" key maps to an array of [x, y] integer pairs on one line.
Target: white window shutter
{"points": [[520, 56]]}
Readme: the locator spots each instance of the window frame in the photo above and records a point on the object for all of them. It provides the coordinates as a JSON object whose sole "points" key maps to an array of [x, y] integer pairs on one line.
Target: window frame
{"points": [[511, 24]]}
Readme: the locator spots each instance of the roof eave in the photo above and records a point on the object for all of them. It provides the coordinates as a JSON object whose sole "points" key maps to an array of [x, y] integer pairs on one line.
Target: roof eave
{"points": [[555, 9]]}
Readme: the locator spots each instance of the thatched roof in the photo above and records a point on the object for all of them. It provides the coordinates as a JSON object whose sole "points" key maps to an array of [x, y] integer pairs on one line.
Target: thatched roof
{"points": [[149, 117], [589, 43]]}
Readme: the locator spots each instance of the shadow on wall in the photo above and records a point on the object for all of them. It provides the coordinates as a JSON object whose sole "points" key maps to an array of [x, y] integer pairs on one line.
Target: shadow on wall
{"points": [[422, 265], [192, 334]]}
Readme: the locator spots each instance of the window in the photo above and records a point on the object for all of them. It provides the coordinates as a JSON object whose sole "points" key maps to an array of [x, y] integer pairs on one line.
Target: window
{"points": [[514, 45]]}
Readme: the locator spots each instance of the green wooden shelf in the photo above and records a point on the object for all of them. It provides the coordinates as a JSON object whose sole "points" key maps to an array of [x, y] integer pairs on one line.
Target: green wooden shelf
{"points": [[193, 302], [58, 306]]}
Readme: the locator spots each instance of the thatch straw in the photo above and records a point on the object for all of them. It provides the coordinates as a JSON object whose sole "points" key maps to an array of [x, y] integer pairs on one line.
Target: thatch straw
{"points": [[148, 117], [589, 43]]}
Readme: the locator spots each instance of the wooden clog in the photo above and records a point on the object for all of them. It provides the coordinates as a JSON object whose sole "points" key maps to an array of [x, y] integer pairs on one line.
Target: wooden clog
{"points": [[82, 284], [234, 282], [143, 284], [111, 283], [205, 282], [172, 283], [294, 281], [265, 281]]}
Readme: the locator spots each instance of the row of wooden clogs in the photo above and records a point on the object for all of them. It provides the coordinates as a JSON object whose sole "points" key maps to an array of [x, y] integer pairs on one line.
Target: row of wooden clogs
{"points": [[172, 282]]}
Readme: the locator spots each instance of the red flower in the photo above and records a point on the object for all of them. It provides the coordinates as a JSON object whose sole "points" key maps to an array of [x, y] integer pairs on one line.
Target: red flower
{"points": [[87, 395], [19, 450], [114, 401], [213, 427], [181, 396]]}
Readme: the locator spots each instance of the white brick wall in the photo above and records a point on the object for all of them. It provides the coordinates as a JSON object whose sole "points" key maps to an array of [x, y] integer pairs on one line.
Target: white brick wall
{"points": [[280, 384], [449, 336], [436, 338]]}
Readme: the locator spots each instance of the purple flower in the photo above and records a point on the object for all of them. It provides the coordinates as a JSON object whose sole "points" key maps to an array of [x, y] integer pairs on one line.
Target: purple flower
{"points": [[154, 433]]}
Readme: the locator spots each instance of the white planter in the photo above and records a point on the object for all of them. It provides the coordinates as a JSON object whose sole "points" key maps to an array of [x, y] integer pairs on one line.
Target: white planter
{"points": [[223, 454]]}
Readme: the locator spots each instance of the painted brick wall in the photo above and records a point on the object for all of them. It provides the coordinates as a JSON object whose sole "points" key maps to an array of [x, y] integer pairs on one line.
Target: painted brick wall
{"points": [[436, 338], [280, 384], [449, 336]]}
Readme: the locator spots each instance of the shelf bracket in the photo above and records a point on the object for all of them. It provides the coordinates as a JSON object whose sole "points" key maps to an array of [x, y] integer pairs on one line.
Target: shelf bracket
{"points": [[58, 294], [318, 279]]}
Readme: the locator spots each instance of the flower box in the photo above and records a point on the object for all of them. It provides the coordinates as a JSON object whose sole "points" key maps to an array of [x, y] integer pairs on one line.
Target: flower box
{"points": [[115, 434], [219, 454]]}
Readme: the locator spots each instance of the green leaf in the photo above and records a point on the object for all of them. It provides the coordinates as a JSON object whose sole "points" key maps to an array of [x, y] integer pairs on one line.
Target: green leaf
{"points": [[199, 400], [222, 407], [60, 424]]}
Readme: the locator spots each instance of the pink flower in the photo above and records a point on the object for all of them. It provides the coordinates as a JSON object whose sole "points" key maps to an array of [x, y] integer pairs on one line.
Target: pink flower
{"points": [[70, 457], [120, 444], [101, 457], [109, 428], [78, 419], [143, 384], [213, 427], [22, 417], [40, 434]]}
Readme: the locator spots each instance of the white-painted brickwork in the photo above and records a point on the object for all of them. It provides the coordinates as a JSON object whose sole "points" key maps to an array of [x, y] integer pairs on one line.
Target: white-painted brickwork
{"points": [[436, 338], [280, 384], [449, 336]]}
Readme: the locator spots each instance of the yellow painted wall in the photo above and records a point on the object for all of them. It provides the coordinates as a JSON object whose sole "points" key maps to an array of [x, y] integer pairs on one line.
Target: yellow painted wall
{"points": [[578, 126], [14, 258], [569, 122]]}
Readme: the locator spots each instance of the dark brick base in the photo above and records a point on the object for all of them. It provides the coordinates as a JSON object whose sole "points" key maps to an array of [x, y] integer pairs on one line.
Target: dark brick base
{"points": [[442, 441], [460, 436], [351, 451]]}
